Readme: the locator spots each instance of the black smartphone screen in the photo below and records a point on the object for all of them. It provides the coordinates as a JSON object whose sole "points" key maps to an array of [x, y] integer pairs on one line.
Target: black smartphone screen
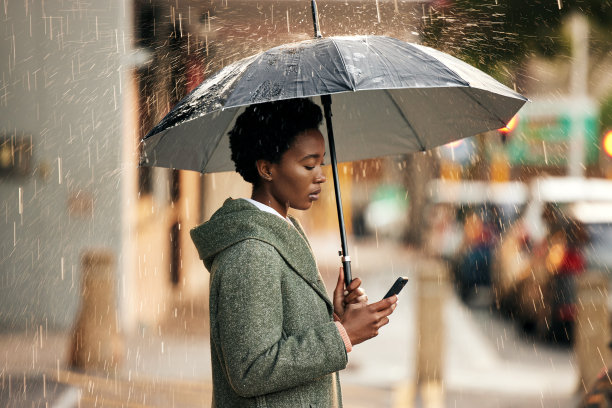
{"points": [[397, 287]]}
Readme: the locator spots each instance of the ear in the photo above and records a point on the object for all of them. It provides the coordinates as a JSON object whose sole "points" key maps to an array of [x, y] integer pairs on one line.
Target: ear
{"points": [[264, 168]]}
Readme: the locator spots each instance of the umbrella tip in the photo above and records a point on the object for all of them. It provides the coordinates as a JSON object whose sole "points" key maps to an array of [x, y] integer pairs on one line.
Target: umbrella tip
{"points": [[315, 20]]}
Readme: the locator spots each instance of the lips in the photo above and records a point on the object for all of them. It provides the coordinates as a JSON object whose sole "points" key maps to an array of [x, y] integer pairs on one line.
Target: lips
{"points": [[314, 195]]}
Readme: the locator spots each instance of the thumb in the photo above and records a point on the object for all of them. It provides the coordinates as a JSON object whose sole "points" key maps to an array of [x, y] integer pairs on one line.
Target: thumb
{"points": [[339, 290]]}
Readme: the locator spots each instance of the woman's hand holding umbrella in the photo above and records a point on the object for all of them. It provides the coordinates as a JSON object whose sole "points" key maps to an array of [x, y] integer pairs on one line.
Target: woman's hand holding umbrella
{"points": [[352, 295]]}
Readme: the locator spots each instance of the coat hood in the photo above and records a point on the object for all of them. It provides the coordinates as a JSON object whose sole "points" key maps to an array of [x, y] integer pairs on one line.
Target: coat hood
{"points": [[238, 220]]}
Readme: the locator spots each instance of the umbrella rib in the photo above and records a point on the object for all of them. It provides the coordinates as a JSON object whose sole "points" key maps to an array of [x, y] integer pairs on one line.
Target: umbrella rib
{"points": [[401, 112], [353, 85], [482, 106]]}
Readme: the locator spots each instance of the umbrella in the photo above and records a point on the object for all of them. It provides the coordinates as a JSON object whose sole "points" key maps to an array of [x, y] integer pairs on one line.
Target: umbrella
{"points": [[390, 97]]}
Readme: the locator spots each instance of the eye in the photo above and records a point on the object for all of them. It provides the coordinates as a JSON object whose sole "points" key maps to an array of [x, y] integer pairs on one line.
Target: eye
{"points": [[309, 167]]}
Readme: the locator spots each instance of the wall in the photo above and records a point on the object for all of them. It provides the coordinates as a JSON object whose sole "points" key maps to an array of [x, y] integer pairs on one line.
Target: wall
{"points": [[61, 88]]}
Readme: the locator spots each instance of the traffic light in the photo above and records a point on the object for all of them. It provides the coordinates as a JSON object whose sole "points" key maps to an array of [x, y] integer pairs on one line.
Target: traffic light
{"points": [[510, 126]]}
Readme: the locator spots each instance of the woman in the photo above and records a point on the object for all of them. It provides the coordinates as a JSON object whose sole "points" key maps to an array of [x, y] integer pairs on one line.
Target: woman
{"points": [[276, 338]]}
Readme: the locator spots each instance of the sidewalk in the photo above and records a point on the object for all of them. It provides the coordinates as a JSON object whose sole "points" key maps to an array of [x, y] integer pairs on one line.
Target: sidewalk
{"points": [[486, 365]]}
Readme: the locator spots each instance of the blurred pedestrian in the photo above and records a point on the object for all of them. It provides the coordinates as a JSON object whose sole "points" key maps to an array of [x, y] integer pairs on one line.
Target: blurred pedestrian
{"points": [[277, 340]]}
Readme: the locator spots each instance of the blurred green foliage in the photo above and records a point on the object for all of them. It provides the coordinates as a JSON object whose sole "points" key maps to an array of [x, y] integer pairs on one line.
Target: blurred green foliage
{"points": [[497, 35], [606, 114]]}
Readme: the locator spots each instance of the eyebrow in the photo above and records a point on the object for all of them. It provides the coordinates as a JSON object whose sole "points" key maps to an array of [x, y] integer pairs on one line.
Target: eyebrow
{"points": [[311, 156]]}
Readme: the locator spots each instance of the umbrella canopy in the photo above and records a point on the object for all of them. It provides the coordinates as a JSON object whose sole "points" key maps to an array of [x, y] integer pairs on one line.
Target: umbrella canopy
{"points": [[390, 97]]}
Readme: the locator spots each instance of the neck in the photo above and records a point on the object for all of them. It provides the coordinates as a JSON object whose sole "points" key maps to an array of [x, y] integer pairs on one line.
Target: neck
{"points": [[264, 197]]}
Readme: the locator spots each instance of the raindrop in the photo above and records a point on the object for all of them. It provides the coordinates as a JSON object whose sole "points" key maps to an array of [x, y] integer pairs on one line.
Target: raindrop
{"points": [[20, 200], [180, 24], [59, 169]]}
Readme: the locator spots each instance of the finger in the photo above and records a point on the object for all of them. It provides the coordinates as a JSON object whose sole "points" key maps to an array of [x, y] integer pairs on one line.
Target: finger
{"points": [[355, 283], [354, 295], [360, 300], [387, 311], [383, 304], [339, 290], [382, 322], [358, 291]]}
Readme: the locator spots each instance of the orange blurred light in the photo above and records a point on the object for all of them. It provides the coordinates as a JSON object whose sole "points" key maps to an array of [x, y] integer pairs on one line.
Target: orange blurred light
{"points": [[510, 126], [607, 143]]}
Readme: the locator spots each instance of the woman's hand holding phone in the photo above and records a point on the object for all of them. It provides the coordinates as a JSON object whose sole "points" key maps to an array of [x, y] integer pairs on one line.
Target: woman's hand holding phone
{"points": [[363, 322]]}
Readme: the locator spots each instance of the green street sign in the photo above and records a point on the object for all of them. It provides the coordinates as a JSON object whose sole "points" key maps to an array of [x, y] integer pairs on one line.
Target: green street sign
{"points": [[542, 136]]}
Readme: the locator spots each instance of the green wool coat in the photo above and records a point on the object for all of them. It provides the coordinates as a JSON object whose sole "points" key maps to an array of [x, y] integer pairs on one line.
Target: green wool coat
{"points": [[273, 339]]}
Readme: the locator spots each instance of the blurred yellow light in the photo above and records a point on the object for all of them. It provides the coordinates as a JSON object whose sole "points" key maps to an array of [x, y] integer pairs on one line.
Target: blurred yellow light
{"points": [[607, 143], [510, 125]]}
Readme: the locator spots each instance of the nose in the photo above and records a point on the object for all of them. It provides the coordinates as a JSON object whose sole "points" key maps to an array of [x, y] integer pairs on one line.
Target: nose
{"points": [[320, 179]]}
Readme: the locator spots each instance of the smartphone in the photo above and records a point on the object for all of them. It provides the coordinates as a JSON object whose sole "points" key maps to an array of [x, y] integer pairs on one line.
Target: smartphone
{"points": [[397, 287]]}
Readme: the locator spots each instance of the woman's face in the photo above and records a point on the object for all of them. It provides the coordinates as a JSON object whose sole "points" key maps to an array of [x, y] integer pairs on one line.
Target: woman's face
{"points": [[296, 180]]}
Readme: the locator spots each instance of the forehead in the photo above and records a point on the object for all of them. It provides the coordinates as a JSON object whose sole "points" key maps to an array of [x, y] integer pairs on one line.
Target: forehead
{"points": [[308, 142]]}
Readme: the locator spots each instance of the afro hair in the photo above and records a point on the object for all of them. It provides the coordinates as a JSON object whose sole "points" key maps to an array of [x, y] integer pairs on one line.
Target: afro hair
{"points": [[266, 131]]}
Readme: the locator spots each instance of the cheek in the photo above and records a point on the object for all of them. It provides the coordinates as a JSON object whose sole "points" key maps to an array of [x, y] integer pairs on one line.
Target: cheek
{"points": [[299, 185]]}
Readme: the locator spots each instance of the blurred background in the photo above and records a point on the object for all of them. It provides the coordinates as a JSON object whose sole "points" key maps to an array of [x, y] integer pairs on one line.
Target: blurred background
{"points": [[506, 236]]}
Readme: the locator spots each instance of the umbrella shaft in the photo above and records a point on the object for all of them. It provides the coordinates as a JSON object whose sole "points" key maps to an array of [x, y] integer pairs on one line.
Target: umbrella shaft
{"points": [[346, 262], [315, 19]]}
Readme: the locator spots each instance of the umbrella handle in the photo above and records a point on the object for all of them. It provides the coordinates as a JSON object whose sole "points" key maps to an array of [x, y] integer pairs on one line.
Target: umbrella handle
{"points": [[346, 265], [346, 259]]}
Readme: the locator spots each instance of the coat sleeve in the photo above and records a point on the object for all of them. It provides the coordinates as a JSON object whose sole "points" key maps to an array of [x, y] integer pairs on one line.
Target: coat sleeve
{"points": [[259, 358]]}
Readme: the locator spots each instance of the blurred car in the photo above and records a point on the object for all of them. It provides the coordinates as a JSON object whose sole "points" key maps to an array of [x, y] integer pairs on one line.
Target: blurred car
{"points": [[467, 219], [559, 236]]}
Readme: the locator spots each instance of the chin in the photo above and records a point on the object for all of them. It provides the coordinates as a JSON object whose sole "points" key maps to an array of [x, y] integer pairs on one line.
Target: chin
{"points": [[303, 207]]}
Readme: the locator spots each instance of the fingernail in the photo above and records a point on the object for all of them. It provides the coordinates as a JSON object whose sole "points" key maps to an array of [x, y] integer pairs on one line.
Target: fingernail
{"points": [[345, 292]]}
